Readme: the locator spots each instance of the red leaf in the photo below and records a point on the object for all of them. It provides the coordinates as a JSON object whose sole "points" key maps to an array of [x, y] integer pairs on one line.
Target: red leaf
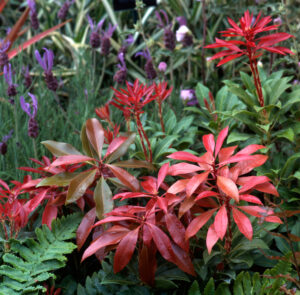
{"points": [[195, 181], [105, 239], [150, 184], [50, 213], [226, 153], [206, 194], [251, 182], [183, 168], [114, 145], [236, 158], [250, 149], [186, 205], [34, 39], [268, 188], [227, 186], [126, 178], [198, 222], [229, 58], [2, 5], [176, 230], [209, 142], [70, 159], [113, 219], [95, 134], [161, 241], [147, 264], [183, 260], [211, 238], [273, 38], [251, 199], [254, 210], [125, 250], [163, 204], [243, 223], [163, 171], [178, 186], [248, 165], [85, 228], [220, 140], [184, 156], [221, 222]]}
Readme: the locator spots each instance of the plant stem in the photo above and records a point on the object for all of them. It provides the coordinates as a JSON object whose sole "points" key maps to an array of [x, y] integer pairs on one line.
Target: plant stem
{"points": [[16, 123], [142, 139], [34, 148], [228, 237], [102, 76], [203, 73], [171, 70], [145, 136]]}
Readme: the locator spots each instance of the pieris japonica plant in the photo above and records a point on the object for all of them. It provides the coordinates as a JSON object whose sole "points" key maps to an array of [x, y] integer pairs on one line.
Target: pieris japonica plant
{"points": [[214, 189]]}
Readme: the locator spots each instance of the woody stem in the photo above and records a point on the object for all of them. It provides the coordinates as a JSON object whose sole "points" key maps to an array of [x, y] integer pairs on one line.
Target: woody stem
{"points": [[228, 237], [145, 136], [161, 118]]}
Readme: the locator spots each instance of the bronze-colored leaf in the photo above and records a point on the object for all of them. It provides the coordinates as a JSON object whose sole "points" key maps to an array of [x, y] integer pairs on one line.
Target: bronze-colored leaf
{"points": [[95, 134], [59, 149], [86, 146], [133, 163], [79, 185], [103, 198], [61, 179]]}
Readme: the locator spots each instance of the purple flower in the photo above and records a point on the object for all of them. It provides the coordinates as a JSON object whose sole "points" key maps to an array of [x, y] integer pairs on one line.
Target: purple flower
{"points": [[95, 39], [4, 60], [31, 111], [162, 67], [105, 39], [129, 40], [47, 64], [11, 90], [33, 14], [149, 67], [169, 37], [181, 20], [277, 21], [27, 78], [121, 75], [3, 145], [189, 96], [184, 36], [62, 13]]}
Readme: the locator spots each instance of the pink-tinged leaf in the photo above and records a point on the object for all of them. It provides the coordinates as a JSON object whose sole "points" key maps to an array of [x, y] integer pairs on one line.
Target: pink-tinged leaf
{"points": [[273, 39], [184, 156], [95, 134], [12, 53], [176, 230], [248, 165], [162, 204], [236, 158], [252, 181], [221, 222], [251, 199], [222, 135], [178, 187], [185, 206], [85, 228], [37, 200], [50, 213], [211, 238], [150, 184], [4, 184], [105, 239], [182, 259], [70, 159], [183, 168], [161, 241], [114, 145], [129, 195], [226, 153], [206, 194], [209, 143], [127, 179], [2, 5], [268, 188], [229, 58], [274, 219], [228, 187], [147, 264], [125, 250], [194, 183], [198, 223], [163, 171], [243, 223], [256, 211], [250, 149]]}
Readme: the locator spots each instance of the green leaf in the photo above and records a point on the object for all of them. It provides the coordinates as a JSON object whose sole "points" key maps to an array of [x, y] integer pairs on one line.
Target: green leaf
{"points": [[122, 149], [237, 136], [60, 148], [223, 289], [248, 82], [286, 133], [162, 146], [238, 287], [86, 146], [287, 169], [103, 198], [170, 121], [201, 93], [194, 289], [61, 179], [210, 287], [79, 185]]}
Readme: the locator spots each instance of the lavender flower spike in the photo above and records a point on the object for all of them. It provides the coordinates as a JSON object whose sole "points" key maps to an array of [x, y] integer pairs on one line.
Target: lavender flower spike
{"points": [[105, 39], [95, 39], [33, 14], [33, 128], [4, 60], [121, 74], [3, 145], [169, 37], [149, 68], [62, 13], [47, 64], [11, 90]]}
